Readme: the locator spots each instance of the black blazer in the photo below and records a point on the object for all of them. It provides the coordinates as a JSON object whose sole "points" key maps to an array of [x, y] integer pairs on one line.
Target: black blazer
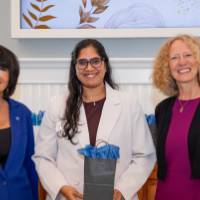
{"points": [[163, 115]]}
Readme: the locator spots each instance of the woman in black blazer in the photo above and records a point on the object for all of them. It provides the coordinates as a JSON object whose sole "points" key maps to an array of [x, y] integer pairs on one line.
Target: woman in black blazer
{"points": [[176, 74]]}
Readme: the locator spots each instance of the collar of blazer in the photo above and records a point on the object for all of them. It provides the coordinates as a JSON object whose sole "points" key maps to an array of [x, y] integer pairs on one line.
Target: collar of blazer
{"points": [[110, 113], [17, 112]]}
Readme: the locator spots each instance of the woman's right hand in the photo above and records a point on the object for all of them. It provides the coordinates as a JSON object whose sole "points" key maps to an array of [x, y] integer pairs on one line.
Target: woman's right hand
{"points": [[70, 193]]}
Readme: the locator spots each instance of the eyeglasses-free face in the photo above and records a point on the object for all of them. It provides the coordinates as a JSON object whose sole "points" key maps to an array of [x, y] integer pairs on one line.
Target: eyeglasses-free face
{"points": [[182, 63], [95, 62]]}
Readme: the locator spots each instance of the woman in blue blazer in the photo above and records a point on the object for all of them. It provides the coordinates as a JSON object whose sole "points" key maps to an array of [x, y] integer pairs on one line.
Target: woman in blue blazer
{"points": [[18, 178]]}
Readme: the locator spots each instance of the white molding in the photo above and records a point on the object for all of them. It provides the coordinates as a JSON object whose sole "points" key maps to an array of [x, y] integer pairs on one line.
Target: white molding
{"points": [[100, 33], [55, 70]]}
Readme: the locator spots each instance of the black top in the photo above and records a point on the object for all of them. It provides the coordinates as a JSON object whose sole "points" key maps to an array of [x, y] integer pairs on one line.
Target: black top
{"points": [[5, 142], [163, 115]]}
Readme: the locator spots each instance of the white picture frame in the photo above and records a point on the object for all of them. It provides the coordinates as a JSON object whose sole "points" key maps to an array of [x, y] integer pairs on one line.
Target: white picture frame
{"points": [[17, 32]]}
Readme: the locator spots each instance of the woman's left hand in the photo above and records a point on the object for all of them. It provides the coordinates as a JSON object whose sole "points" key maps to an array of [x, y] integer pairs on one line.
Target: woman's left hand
{"points": [[117, 195]]}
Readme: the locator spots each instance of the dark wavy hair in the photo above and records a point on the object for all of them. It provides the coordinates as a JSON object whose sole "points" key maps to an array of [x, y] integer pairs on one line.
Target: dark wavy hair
{"points": [[9, 62], [74, 100]]}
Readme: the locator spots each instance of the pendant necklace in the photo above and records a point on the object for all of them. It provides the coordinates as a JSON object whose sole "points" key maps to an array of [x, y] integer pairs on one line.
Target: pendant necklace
{"points": [[182, 105]]}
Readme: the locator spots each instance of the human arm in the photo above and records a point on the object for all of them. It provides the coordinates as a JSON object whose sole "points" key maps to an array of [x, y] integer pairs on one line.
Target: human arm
{"points": [[46, 150], [142, 155]]}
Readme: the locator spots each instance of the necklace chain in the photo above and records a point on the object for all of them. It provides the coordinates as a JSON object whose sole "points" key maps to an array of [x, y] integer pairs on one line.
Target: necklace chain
{"points": [[182, 105]]}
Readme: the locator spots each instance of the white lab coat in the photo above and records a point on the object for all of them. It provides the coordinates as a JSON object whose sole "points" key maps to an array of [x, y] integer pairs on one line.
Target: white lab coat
{"points": [[122, 123]]}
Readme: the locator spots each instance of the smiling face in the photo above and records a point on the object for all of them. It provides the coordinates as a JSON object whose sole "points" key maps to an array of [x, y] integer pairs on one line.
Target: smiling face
{"points": [[183, 66], [4, 79], [90, 76]]}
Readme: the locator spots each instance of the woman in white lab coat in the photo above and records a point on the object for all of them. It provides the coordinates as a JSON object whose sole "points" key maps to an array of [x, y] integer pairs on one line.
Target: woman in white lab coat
{"points": [[93, 109]]}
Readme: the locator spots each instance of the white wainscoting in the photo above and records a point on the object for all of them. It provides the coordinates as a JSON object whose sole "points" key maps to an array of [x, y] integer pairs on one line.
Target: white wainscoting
{"points": [[42, 78]]}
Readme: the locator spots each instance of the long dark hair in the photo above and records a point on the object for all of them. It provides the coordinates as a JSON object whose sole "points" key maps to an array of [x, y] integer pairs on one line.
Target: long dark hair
{"points": [[9, 62], [74, 100]]}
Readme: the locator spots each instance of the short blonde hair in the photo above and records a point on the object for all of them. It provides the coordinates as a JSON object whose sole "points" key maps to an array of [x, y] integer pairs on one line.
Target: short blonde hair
{"points": [[161, 75]]}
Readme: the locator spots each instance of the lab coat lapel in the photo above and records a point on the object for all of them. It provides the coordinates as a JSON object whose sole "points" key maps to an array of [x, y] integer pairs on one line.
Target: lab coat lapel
{"points": [[110, 114], [83, 135]]}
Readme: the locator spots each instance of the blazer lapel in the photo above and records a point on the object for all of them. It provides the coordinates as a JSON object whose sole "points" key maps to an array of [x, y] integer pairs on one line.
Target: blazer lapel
{"points": [[15, 123], [110, 114]]}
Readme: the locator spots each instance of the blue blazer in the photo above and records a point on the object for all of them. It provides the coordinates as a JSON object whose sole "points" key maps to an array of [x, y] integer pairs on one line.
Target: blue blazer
{"points": [[18, 178]]}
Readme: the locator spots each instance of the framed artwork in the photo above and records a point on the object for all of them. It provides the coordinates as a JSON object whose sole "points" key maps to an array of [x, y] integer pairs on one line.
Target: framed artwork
{"points": [[103, 18]]}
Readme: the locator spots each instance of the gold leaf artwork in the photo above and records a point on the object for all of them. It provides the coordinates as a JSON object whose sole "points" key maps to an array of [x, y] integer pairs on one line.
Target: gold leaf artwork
{"points": [[84, 3], [100, 10], [92, 19], [85, 17], [46, 18], [41, 27], [99, 3], [32, 15], [47, 8], [35, 7], [98, 7], [38, 15], [28, 21], [80, 12], [86, 26]]}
